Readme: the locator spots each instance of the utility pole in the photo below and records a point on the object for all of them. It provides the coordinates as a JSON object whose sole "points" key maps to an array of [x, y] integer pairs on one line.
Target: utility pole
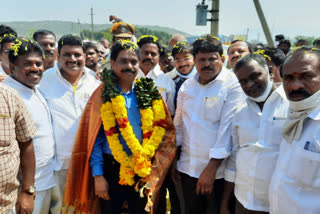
{"points": [[201, 16], [264, 23], [215, 17], [247, 34], [92, 29]]}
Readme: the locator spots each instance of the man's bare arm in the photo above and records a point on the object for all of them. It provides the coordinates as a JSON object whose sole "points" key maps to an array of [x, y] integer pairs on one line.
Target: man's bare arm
{"points": [[27, 164], [206, 180]]}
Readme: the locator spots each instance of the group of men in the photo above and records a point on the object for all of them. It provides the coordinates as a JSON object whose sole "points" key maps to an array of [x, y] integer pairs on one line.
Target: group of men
{"points": [[238, 140]]}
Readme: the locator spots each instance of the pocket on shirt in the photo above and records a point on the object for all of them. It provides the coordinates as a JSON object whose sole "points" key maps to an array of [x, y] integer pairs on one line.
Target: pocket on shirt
{"points": [[212, 109], [305, 168]]}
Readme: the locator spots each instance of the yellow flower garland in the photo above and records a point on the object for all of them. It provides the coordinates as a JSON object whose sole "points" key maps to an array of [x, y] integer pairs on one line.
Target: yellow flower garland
{"points": [[153, 128]]}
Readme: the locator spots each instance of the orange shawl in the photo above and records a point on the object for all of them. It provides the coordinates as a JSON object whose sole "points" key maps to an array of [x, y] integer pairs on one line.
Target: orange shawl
{"points": [[79, 190]]}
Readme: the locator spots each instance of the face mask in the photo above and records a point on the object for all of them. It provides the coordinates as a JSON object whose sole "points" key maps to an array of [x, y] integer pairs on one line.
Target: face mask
{"points": [[313, 100], [266, 92]]}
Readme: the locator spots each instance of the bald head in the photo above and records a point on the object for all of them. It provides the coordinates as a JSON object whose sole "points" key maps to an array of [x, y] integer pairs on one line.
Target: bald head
{"points": [[105, 43], [176, 38]]}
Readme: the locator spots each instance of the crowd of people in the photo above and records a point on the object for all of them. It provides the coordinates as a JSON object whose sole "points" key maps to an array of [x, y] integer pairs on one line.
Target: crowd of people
{"points": [[135, 126]]}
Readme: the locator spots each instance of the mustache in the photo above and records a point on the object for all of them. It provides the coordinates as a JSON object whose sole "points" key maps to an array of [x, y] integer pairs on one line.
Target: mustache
{"points": [[207, 68], [77, 63], [183, 66], [49, 53], [128, 70], [299, 92], [147, 60], [236, 57], [34, 72]]}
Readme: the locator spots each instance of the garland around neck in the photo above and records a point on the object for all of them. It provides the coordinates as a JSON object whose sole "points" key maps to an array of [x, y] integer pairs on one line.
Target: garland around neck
{"points": [[153, 115]]}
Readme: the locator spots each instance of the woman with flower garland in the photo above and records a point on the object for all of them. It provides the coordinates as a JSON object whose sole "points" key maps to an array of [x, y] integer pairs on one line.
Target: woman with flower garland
{"points": [[126, 142]]}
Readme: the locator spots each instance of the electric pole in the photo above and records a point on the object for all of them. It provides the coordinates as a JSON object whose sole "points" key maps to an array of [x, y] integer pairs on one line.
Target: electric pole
{"points": [[92, 29], [201, 16], [264, 23], [247, 35], [215, 17]]}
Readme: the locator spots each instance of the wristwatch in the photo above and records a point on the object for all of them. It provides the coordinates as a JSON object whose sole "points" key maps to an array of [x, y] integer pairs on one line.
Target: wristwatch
{"points": [[30, 190]]}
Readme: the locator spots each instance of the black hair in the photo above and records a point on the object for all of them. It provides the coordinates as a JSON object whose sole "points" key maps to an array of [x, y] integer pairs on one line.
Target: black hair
{"points": [[301, 40], [180, 47], [246, 59], [69, 39], [88, 45], [8, 38], [279, 37], [277, 56], [39, 33], [258, 46], [22, 46], [249, 45], [149, 39], [207, 44], [4, 29], [285, 41], [122, 45]]}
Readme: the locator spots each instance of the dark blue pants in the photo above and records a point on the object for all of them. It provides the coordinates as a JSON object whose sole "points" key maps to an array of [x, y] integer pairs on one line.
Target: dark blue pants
{"points": [[119, 193]]}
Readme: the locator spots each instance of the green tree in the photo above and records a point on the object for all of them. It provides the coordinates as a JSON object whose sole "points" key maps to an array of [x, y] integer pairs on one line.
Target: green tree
{"points": [[310, 39]]}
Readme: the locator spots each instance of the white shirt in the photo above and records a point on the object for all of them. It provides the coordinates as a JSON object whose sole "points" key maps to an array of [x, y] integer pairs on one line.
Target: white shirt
{"points": [[202, 112], [91, 72], [295, 184], [66, 104], [165, 85], [43, 142], [256, 138]]}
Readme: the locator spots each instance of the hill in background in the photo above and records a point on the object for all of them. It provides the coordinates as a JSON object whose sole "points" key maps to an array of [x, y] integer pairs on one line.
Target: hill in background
{"points": [[66, 27]]}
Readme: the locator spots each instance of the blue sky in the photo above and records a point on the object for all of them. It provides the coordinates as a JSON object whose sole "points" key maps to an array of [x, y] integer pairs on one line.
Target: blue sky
{"points": [[290, 17]]}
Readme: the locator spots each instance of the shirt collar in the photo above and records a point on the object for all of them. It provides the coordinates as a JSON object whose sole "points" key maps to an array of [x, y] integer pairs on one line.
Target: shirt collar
{"points": [[129, 92], [315, 114], [84, 77], [21, 86], [280, 91], [156, 71], [189, 75]]}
